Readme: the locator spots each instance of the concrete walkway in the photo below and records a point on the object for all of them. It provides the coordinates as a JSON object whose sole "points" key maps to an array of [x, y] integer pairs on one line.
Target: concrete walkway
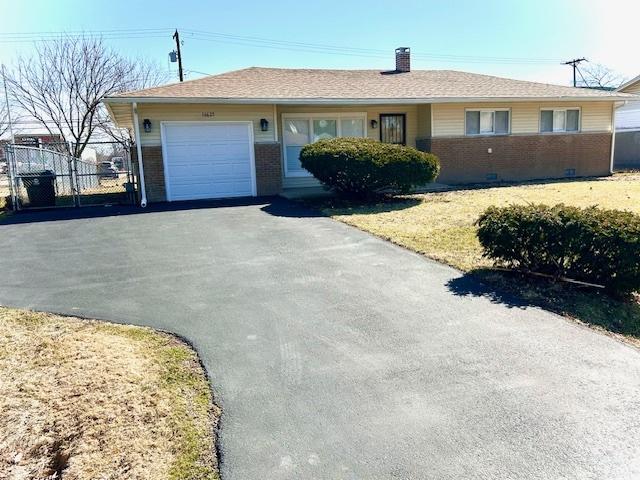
{"points": [[336, 355]]}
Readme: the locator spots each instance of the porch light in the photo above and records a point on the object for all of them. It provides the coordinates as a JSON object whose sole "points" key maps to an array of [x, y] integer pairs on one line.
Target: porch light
{"points": [[374, 124], [146, 124], [264, 124]]}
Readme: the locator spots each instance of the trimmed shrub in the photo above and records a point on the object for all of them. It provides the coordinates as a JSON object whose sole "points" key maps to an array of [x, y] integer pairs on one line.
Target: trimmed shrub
{"points": [[590, 244], [361, 167]]}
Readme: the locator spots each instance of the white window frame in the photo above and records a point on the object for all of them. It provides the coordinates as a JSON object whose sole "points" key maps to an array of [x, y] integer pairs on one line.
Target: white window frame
{"points": [[559, 109], [310, 117], [484, 134]]}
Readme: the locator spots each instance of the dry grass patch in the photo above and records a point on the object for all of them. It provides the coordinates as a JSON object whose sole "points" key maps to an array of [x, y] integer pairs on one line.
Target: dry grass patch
{"points": [[84, 399], [441, 226]]}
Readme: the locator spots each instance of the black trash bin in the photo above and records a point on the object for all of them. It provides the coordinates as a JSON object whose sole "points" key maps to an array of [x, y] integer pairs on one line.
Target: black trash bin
{"points": [[41, 188]]}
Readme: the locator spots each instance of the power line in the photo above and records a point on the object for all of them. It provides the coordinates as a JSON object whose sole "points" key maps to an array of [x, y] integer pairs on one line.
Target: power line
{"points": [[47, 34], [373, 54], [261, 42], [335, 49], [199, 73]]}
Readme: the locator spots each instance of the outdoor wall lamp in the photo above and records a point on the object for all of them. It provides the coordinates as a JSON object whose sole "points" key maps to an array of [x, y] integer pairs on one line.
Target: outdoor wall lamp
{"points": [[374, 124], [264, 124], [146, 124]]}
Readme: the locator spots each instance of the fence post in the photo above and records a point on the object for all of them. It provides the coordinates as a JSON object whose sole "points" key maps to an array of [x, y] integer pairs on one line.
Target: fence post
{"points": [[72, 180], [131, 176], [13, 188]]}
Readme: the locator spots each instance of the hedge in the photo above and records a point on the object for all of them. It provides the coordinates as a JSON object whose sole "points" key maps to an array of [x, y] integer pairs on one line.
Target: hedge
{"points": [[361, 167], [591, 244]]}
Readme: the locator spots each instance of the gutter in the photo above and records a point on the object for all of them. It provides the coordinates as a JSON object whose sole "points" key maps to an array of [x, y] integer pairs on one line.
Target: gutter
{"points": [[136, 132], [615, 106], [362, 101]]}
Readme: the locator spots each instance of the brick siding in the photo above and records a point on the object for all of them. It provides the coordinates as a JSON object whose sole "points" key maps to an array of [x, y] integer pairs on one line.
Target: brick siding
{"points": [[153, 172], [268, 168], [522, 157]]}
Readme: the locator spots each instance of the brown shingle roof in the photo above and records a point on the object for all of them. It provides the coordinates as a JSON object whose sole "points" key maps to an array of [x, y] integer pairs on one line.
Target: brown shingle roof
{"points": [[279, 84]]}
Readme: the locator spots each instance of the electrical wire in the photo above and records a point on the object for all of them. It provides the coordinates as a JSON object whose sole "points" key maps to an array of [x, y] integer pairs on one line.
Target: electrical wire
{"points": [[202, 35], [261, 42]]}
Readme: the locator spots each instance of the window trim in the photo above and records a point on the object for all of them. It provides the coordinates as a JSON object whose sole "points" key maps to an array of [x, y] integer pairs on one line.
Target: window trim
{"points": [[310, 117], [493, 134], [556, 109], [404, 126]]}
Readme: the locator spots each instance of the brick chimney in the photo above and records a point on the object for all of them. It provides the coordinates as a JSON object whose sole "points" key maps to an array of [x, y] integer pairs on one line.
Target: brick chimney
{"points": [[403, 59]]}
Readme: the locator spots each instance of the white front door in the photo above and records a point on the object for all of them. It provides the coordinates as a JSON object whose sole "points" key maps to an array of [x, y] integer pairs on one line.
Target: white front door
{"points": [[208, 160]]}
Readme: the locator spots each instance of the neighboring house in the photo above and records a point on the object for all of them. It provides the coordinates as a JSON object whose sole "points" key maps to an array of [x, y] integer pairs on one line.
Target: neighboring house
{"points": [[240, 133], [627, 145]]}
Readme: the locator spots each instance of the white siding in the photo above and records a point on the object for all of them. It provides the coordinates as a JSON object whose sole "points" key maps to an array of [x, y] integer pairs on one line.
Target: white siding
{"points": [[596, 116], [633, 88], [424, 121], [628, 117], [448, 118], [194, 112]]}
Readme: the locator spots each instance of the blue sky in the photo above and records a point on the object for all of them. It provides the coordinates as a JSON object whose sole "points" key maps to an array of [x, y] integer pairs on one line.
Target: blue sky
{"points": [[551, 31]]}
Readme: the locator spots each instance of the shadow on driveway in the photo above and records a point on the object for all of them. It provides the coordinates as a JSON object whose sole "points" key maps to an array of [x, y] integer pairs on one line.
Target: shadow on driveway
{"points": [[485, 283], [276, 206], [515, 290]]}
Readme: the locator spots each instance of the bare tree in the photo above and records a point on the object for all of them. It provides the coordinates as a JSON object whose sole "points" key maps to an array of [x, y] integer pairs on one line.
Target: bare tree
{"points": [[62, 84], [4, 109], [596, 75], [4, 118], [145, 74]]}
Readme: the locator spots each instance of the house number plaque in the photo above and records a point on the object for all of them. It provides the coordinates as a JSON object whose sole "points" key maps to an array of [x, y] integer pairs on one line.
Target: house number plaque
{"points": [[208, 114]]}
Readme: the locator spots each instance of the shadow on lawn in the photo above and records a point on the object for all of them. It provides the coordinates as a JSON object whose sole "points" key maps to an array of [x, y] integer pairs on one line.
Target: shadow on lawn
{"points": [[519, 291], [341, 206]]}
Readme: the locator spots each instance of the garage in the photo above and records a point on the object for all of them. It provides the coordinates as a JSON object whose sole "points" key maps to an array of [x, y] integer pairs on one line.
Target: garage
{"points": [[208, 160]]}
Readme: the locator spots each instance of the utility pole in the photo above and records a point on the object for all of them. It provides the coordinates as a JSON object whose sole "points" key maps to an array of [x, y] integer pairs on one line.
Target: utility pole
{"points": [[176, 36], [574, 63]]}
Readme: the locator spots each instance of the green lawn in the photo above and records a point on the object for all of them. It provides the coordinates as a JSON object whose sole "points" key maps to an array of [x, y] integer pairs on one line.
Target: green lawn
{"points": [[441, 226]]}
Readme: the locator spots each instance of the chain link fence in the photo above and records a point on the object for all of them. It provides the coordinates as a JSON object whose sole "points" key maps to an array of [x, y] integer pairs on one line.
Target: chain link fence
{"points": [[50, 177], [4, 175]]}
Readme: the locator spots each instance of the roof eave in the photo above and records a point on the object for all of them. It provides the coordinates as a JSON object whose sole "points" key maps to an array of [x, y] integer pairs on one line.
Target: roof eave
{"points": [[362, 101], [628, 84]]}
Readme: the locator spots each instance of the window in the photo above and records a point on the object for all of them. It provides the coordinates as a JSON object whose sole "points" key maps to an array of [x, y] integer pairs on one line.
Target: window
{"points": [[352, 127], [296, 135], [325, 129], [392, 128], [487, 122], [560, 120], [300, 129]]}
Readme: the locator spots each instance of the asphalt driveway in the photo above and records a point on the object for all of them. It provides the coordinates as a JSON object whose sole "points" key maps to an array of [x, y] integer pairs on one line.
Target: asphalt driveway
{"points": [[336, 355]]}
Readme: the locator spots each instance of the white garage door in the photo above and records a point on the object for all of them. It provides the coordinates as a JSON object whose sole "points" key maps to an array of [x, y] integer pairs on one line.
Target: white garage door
{"points": [[208, 160]]}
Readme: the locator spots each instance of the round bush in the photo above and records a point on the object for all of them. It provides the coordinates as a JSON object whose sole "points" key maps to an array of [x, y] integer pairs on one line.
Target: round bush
{"points": [[591, 244], [361, 167]]}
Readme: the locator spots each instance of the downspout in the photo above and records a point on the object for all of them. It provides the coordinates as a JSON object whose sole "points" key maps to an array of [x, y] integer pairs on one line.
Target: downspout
{"points": [[616, 105], [275, 122], [136, 132]]}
